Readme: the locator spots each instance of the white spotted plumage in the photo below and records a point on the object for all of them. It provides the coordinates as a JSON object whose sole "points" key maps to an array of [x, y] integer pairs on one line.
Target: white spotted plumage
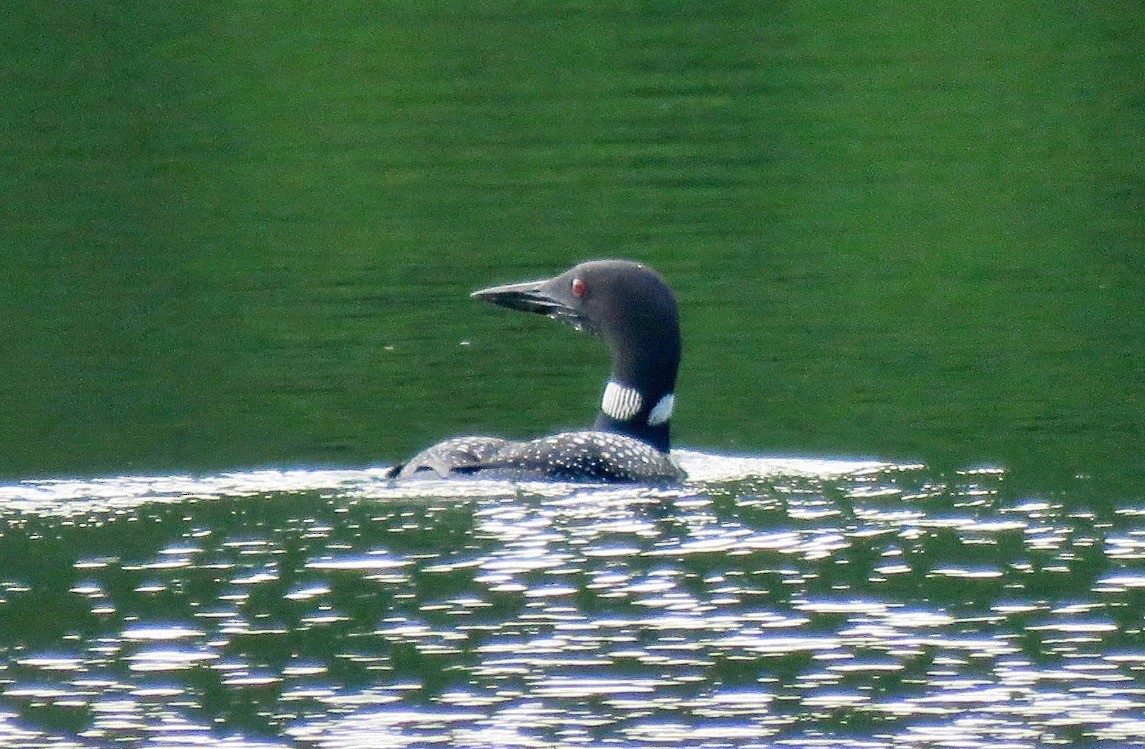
{"points": [[635, 311]]}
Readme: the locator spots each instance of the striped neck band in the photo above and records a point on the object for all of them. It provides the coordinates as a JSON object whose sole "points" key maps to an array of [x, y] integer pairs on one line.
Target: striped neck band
{"points": [[662, 411], [620, 402], [623, 403]]}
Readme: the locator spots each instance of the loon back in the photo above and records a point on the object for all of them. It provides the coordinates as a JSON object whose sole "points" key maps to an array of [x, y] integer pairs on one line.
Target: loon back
{"points": [[634, 311], [568, 456]]}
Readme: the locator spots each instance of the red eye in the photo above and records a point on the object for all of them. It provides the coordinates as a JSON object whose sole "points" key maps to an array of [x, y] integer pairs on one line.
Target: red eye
{"points": [[579, 287]]}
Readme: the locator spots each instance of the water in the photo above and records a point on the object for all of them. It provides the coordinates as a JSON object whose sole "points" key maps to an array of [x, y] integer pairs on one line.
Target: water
{"points": [[243, 235], [246, 237], [766, 602]]}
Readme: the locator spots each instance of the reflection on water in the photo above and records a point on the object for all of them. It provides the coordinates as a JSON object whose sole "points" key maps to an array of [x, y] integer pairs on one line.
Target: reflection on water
{"points": [[818, 603]]}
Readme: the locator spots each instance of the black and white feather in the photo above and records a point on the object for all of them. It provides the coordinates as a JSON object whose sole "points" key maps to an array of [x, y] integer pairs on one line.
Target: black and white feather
{"points": [[574, 456], [634, 311]]}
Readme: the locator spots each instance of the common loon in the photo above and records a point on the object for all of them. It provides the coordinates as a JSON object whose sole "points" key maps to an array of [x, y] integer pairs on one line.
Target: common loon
{"points": [[632, 308]]}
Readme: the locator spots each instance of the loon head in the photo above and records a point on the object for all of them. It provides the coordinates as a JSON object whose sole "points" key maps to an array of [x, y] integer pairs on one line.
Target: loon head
{"points": [[631, 307]]}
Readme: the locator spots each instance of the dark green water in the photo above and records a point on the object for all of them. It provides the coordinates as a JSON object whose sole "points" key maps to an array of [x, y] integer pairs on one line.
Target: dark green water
{"points": [[240, 235], [243, 234]]}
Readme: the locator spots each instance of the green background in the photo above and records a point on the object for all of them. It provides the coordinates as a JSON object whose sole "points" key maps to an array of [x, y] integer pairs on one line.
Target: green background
{"points": [[242, 234]]}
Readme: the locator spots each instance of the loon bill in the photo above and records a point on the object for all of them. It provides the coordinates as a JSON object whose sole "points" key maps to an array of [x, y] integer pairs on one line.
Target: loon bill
{"points": [[631, 307]]}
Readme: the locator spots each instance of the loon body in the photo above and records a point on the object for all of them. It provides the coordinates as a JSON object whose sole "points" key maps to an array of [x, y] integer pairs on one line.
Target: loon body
{"points": [[633, 310]]}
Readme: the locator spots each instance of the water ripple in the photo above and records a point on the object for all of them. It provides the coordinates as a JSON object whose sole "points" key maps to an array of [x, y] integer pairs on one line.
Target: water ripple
{"points": [[764, 603]]}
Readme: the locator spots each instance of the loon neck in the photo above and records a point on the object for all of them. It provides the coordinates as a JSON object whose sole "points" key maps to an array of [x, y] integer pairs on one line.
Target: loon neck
{"points": [[637, 413]]}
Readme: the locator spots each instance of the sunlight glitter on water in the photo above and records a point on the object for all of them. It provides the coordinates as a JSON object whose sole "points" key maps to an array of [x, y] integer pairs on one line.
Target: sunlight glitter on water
{"points": [[771, 603]]}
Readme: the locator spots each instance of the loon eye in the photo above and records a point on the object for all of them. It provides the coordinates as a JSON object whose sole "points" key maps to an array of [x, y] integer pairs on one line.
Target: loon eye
{"points": [[579, 287]]}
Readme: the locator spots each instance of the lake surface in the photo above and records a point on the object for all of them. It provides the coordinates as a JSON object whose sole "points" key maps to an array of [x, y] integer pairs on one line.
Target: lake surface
{"points": [[237, 242], [245, 236], [764, 603]]}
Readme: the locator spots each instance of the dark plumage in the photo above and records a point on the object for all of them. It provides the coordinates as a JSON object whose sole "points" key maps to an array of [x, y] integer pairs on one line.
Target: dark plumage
{"points": [[633, 310]]}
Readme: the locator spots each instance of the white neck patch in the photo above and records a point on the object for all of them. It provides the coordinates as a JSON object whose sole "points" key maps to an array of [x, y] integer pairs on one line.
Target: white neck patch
{"points": [[620, 402], [662, 411]]}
